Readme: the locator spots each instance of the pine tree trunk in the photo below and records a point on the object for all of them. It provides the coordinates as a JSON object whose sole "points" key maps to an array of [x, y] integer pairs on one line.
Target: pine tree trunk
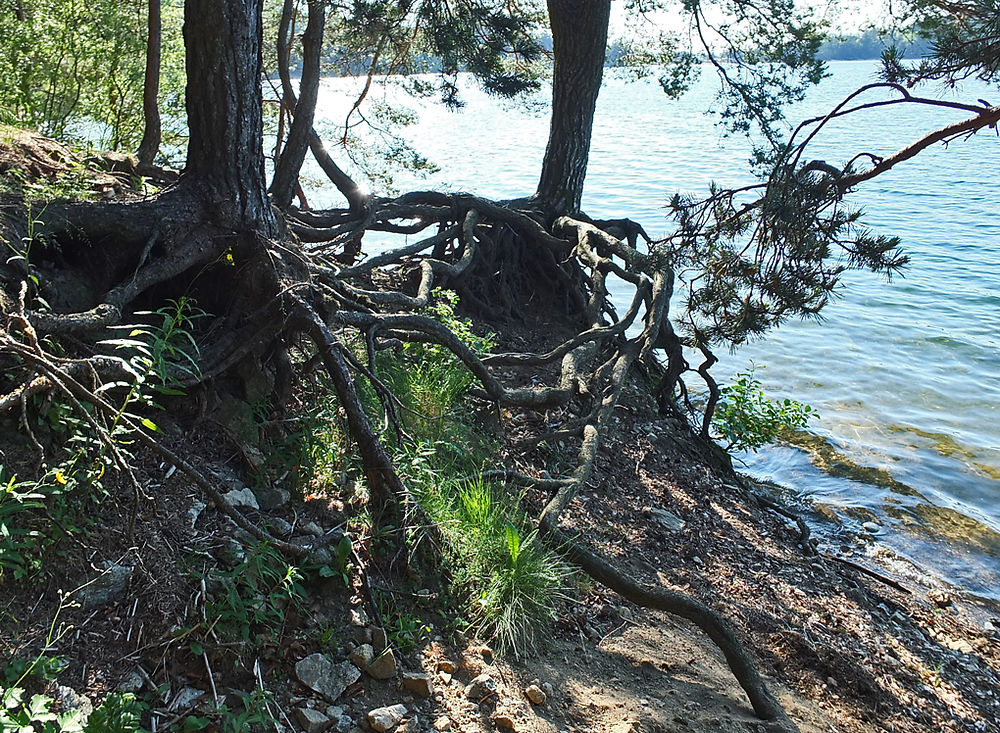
{"points": [[225, 158], [579, 41]]}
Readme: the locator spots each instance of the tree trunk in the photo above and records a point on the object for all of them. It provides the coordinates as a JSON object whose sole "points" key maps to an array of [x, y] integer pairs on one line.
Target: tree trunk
{"points": [[286, 173], [225, 157], [579, 41], [150, 144]]}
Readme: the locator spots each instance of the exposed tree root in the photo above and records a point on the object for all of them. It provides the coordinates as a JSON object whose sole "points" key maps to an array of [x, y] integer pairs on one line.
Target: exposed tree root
{"points": [[270, 290]]}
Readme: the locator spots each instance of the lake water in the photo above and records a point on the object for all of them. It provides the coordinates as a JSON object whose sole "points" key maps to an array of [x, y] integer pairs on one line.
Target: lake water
{"points": [[905, 376]]}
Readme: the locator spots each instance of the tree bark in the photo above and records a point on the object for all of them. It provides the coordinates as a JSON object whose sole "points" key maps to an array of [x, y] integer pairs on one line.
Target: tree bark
{"points": [[150, 144], [225, 156], [579, 40], [286, 172]]}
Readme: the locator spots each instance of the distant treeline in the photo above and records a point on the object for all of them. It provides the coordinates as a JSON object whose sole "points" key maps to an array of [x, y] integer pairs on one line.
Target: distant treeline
{"points": [[869, 45]]}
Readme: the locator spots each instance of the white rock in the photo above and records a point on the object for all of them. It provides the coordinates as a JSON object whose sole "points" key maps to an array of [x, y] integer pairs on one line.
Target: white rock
{"points": [[241, 498], [383, 719], [330, 680]]}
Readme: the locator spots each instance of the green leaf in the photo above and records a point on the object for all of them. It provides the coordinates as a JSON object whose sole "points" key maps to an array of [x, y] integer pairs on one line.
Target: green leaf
{"points": [[147, 423]]}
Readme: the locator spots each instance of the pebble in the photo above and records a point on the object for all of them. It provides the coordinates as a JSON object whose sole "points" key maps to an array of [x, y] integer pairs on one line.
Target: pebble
{"points": [[418, 684], [383, 719], [504, 721], [442, 723], [362, 656], [480, 687], [319, 673], [312, 721], [536, 694]]}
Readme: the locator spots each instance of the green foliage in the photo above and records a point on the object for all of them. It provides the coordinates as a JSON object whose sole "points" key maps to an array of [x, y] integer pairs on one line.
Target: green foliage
{"points": [[253, 713], [24, 712], [255, 594], [74, 70], [748, 420], [964, 36], [36, 512], [512, 582]]}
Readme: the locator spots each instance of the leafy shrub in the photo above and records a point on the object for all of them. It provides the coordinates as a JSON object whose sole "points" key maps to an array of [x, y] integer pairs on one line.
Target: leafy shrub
{"points": [[747, 419]]}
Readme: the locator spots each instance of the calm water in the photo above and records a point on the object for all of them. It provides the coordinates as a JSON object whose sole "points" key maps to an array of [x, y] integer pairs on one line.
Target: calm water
{"points": [[906, 376]]}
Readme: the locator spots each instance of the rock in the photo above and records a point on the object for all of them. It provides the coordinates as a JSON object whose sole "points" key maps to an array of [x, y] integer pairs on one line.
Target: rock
{"points": [[312, 528], [504, 721], [446, 665], [321, 556], [445, 677], [418, 684], [330, 680], [241, 498], [410, 726], [535, 694], [280, 527], [548, 689], [667, 520], [442, 722], [186, 698], [379, 639], [481, 687], [312, 721], [268, 499], [197, 507], [69, 699], [359, 617], [362, 656], [940, 598], [871, 527], [383, 719], [133, 681], [384, 667], [105, 587]]}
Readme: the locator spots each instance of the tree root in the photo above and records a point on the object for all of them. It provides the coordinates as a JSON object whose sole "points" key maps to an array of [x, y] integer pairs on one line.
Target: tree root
{"points": [[296, 292]]}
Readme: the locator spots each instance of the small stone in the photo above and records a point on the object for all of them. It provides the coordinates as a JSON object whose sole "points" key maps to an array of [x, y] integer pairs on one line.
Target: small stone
{"points": [[312, 528], [105, 587], [132, 681], [486, 653], [379, 639], [321, 556], [871, 527], [536, 694], [548, 689], [197, 507], [446, 677], [667, 520], [282, 528], [481, 687], [383, 719], [504, 721], [185, 698], [418, 684], [410, 726], [241, 498], [70, 699], [319, 673], [442, 722], [268, 499], [446, 665], [312, 721], [359, 617], [697, 560], [940, 598], [362, 656], [384, 667]]}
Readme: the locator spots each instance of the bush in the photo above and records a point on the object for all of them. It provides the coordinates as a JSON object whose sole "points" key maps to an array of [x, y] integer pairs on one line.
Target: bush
{"points": [[747, 419]]}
